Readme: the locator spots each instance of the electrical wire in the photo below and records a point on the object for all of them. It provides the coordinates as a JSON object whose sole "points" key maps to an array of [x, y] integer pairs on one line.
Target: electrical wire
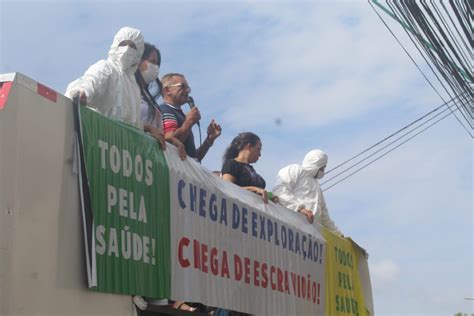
{"points": [[446, 104], [413, 19], [383, 147], [407, 18], [443, 58], [384, 154]]}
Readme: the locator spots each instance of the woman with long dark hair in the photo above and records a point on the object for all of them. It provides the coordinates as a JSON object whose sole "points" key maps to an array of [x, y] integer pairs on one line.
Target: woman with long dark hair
{"points": [[245, 150], [147, 73]]}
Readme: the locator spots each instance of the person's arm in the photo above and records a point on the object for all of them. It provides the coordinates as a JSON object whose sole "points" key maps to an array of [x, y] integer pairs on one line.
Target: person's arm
{"points": [[181, 132], [262, 192], [156, 133], [214, 130], [181, 150], [92, 84], [285, 186], [229, 177]]}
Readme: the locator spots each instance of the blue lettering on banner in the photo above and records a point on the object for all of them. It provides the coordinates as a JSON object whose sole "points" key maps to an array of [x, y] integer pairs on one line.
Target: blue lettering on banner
{"points": [[270, 229], [235, 216], [262, 227], [290, 239], [302, 246], [297, 243], [244, 220], [254, 224], [202, 202], [213, 208], [283, 236], [223, 212], [192, 197], [208, 205], [181, 185]]}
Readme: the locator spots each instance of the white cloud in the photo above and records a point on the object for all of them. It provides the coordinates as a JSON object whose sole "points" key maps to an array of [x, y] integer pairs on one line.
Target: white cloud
{"points": [[323, 72]]}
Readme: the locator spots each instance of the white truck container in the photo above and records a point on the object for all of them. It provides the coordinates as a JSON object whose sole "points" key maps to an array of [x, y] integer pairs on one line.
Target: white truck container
{"points": [[42, 270]]}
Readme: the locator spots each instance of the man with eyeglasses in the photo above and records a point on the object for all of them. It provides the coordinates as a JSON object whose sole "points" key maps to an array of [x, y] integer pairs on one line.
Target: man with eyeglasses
{"points": [[175, 122]]}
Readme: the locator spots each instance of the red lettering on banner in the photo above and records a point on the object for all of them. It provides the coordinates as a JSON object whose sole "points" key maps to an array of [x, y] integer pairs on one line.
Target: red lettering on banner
{"points": [[299, 287], [287, 283], [225, 265], [184, 242], [204, 249], [237, 268], [319, 292], [256, 273], [197, 257], [265, 276], [247, 270], [303, 286], [314, 292], [272, 272], [214, 262], [280, 279], [293, 281]]}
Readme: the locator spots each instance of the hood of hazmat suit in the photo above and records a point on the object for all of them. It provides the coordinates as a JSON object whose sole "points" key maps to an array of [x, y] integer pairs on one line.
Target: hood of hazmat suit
{"points": [[298, 188], [110, 84]]}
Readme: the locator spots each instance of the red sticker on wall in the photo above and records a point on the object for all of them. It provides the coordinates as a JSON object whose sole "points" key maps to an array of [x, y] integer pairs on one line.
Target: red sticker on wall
{"points": [[5, 88], [47, 93]]}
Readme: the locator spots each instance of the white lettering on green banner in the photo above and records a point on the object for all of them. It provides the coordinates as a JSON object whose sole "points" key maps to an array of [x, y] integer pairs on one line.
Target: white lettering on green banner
{"points": [[128, 181]]}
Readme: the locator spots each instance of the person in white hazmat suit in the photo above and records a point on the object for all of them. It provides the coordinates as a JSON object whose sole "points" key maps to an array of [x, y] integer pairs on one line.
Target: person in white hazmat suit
{"points": [[110, 85], [298, 189]]}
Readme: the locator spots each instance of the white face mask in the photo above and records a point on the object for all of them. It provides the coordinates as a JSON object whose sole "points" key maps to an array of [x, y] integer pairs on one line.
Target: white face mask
{"points": [[128, 57], [151, 72], [320, 174]]}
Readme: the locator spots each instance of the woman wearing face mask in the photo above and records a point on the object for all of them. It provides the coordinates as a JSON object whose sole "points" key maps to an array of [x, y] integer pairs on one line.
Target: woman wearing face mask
{"points": [[244, 150], [110, 85], [147, 73]]}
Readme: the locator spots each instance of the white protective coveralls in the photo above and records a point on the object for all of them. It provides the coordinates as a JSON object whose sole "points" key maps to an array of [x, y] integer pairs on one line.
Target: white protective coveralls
{"points": [[110, 85], [298, 188]]}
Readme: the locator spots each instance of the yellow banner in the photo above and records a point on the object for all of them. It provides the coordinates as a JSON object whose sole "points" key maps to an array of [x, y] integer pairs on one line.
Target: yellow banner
{"points": [[344, 294]]}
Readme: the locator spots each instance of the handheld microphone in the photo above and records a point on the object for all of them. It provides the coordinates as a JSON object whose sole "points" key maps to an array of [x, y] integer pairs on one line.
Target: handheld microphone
{"points": [[192, 105], [191, 102]]}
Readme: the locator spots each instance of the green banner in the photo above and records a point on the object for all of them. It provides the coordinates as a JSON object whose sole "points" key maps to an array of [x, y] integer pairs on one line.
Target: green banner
{"points": [[128, 181]]}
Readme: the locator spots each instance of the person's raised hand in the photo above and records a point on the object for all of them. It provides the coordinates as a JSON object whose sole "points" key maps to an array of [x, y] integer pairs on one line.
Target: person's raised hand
{"points": [[81, 96], [214, 130]]}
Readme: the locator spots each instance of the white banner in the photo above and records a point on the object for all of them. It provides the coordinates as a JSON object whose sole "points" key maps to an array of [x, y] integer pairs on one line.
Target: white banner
{"points": [[231, 250]]}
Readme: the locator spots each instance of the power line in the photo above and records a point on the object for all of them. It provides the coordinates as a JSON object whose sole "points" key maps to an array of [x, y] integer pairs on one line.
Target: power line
{"points": [[438, 45], [464, 97], [390, 136], [427, 46], [383, 147], [384, 154]]}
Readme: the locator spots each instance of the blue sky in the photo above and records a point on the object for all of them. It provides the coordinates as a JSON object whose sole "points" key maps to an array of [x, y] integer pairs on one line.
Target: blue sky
{"points": [[335, 78]]}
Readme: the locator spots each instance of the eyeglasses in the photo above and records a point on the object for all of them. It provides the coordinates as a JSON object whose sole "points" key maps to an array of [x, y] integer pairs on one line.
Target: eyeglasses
{"points": [[184, 86]]}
